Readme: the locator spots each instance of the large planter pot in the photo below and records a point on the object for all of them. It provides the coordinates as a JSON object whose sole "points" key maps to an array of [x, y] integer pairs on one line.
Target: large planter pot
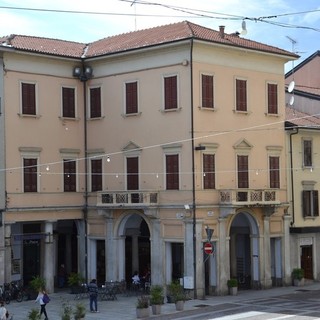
{"points": [[298, 283], [143, 312], [179, 305], [156, 308], [233, 291]]}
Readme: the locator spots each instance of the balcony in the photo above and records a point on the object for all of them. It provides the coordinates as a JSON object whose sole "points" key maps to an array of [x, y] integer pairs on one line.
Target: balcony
{"points": [[247, 197], [130, 199]]}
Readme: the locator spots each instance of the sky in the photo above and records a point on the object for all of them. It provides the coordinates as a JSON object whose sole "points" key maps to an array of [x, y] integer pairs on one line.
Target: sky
{"points": [[291, 25]]}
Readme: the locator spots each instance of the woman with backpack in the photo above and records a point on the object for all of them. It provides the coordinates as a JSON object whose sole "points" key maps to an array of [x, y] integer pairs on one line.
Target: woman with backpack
{"points": [[43, 299]]}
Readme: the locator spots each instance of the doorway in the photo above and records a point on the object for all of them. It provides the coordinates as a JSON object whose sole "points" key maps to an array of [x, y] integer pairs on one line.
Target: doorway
{"points": [[306, 261]]}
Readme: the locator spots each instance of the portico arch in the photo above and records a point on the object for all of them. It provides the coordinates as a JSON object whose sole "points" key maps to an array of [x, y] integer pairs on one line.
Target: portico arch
{"points": [[244, 249]]}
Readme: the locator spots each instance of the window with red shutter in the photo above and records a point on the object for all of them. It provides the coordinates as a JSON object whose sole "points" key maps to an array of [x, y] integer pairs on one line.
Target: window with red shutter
{"points": [[96, 174], [132, 173], [243, 173], [68, 103], [170, 93], [95, 102], [207, 91], [131, 97], [172, 172], [241, 95], [274, 167], [209, 171], [69, 175], [30, 175], [310, 203], [272, 98], [28, 98]]}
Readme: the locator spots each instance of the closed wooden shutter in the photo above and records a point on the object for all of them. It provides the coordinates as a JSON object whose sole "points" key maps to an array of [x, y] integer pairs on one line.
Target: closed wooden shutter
{"points": [[241, 95], [172, 172], [68, 102], [95, 102], [243, 175], [209, 171], [28, 91], [272, 98], [131, 97], [207, 91], [170, 93], [96, 175], [30, 176], [69, 169], [133, 173], [274, 165]]}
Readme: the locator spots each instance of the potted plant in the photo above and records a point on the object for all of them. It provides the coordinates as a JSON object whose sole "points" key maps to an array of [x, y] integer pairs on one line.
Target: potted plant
{"points": [[33, 314], [176, 294], [74, 281], [233, 286], [79, 312], [298, 276], [36, 284], [156, 298], [143, 307], [66, 313]]}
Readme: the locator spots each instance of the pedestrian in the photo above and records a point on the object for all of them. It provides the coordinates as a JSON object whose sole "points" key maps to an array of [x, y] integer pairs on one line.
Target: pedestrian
{"points": [[62, 276], [4, 314], [93, 295], [42, 303]]}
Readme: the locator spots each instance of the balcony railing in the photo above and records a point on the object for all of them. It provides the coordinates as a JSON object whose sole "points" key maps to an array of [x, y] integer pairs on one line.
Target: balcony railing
{"points": [[127, 198], [249, 197]]}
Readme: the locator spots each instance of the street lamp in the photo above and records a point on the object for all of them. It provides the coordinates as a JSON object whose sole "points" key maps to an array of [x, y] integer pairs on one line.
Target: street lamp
{"points": [[84, 73]]}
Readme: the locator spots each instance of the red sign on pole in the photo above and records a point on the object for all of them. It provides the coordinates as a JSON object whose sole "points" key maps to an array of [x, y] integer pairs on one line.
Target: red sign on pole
{"points": [[208, 248]]}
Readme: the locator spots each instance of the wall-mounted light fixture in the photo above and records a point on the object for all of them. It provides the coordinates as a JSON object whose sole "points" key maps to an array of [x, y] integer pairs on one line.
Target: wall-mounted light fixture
{"points": [[83, 73]]}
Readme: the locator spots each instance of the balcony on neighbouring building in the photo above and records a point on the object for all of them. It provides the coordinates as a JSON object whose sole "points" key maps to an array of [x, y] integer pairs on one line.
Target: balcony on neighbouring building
{"points": [[249, 197], [133, 198]]}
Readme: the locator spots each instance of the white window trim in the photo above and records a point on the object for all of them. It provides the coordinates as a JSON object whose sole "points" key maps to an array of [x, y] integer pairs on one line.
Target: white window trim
{"points": [[75, 103], [21, 114], [266, 96], [125, 114], [235, 95], [163, 93], [213, 91]]}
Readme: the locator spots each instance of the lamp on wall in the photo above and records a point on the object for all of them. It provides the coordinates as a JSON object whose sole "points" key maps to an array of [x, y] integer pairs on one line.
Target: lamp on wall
{"points": [[83, 73]]}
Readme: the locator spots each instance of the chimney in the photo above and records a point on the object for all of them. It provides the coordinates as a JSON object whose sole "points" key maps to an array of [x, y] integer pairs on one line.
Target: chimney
{"points": [[221, 31]]}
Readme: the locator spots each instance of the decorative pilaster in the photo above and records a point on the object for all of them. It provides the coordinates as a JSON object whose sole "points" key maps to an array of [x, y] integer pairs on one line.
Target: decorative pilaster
{"points": [[223, 258], [157, 253], [266, 264], [286, 249], [49, 263]]}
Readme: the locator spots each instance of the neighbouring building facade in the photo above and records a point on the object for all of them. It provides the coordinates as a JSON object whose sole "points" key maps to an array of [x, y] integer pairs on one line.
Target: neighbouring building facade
{"points": [[303, 143], [128, 152]]}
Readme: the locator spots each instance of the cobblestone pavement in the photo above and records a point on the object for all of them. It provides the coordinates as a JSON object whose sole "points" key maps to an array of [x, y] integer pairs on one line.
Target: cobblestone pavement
{"points": [[290, 303]]}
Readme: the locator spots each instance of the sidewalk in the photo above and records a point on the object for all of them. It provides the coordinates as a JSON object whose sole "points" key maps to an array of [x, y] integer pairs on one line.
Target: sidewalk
{"points": [[124, 308]]}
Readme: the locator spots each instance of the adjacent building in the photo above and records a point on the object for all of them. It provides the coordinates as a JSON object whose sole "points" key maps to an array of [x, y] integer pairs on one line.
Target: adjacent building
{"points": [[133, 151]]}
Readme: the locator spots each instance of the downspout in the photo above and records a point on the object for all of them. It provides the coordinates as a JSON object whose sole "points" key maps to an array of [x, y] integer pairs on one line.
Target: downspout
{"points": [[194, 221], [85, 207], [291, 172]]}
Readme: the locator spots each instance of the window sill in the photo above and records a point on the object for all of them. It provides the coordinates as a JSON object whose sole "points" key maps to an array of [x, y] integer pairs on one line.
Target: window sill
{"points": [[171, 110], [69, 119], [207, 109], [272, 114], [127, 115], [35, 116], [241, 112], [97, 118]]}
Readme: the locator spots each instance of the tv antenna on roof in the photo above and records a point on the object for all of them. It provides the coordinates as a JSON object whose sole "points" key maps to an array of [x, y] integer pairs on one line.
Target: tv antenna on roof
{"points": [[135, 15]]}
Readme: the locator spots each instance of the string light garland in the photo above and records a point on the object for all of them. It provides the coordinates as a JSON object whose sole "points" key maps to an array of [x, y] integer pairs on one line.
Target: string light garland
{"points": [[109, 155]]}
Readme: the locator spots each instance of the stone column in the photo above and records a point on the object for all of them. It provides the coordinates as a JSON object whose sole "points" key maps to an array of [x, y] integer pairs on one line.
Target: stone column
{"points": [[157, 253], [49, 261], [6, 271], [223, 259], [82, 254], [286, 250], [110, 246], [266, 264]]}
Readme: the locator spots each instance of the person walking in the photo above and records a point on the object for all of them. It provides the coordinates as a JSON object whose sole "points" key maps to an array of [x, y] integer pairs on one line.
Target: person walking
{"points": [[42, 304], [3, 311], [93, 295]]}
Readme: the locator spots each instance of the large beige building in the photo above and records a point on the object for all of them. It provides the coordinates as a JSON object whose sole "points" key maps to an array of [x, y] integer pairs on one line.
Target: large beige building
{"points": [[126, 153]]}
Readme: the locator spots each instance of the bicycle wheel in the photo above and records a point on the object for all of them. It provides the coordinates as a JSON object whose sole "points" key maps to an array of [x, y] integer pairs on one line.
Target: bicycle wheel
{"points": [[19, 296]]}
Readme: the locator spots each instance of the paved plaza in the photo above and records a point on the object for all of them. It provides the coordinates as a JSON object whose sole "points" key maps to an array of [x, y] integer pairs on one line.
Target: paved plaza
{"points": [[276, 303]]}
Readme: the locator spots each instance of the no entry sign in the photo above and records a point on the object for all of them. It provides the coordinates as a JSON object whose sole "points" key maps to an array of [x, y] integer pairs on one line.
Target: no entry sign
{"points": [[208, 248]]}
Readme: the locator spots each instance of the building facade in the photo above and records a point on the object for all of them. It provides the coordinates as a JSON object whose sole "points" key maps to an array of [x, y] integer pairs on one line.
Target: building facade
{"points": [[133, 151]]}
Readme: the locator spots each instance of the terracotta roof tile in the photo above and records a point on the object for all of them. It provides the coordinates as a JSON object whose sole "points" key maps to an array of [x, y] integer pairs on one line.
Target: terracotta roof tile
{"points": [[44, 45], [134, 40], [302, 119], [171, 33]]}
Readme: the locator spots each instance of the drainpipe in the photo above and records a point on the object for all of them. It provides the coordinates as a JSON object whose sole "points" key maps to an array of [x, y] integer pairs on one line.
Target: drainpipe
{"points": [[291, 172], [194, 218]]}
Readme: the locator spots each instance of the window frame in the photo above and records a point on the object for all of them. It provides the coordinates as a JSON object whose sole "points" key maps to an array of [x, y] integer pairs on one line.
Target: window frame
{"points": [[96, 183], [135, 109], [310, 203], [209, 177], [170, 102], [30, 173], [207, 91], [172, 177], [64, 112], [67, 161], [307, 154], [241, 95], [272, 98], [95, 112], [23, 102], [241, 183], [274, 173]]}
